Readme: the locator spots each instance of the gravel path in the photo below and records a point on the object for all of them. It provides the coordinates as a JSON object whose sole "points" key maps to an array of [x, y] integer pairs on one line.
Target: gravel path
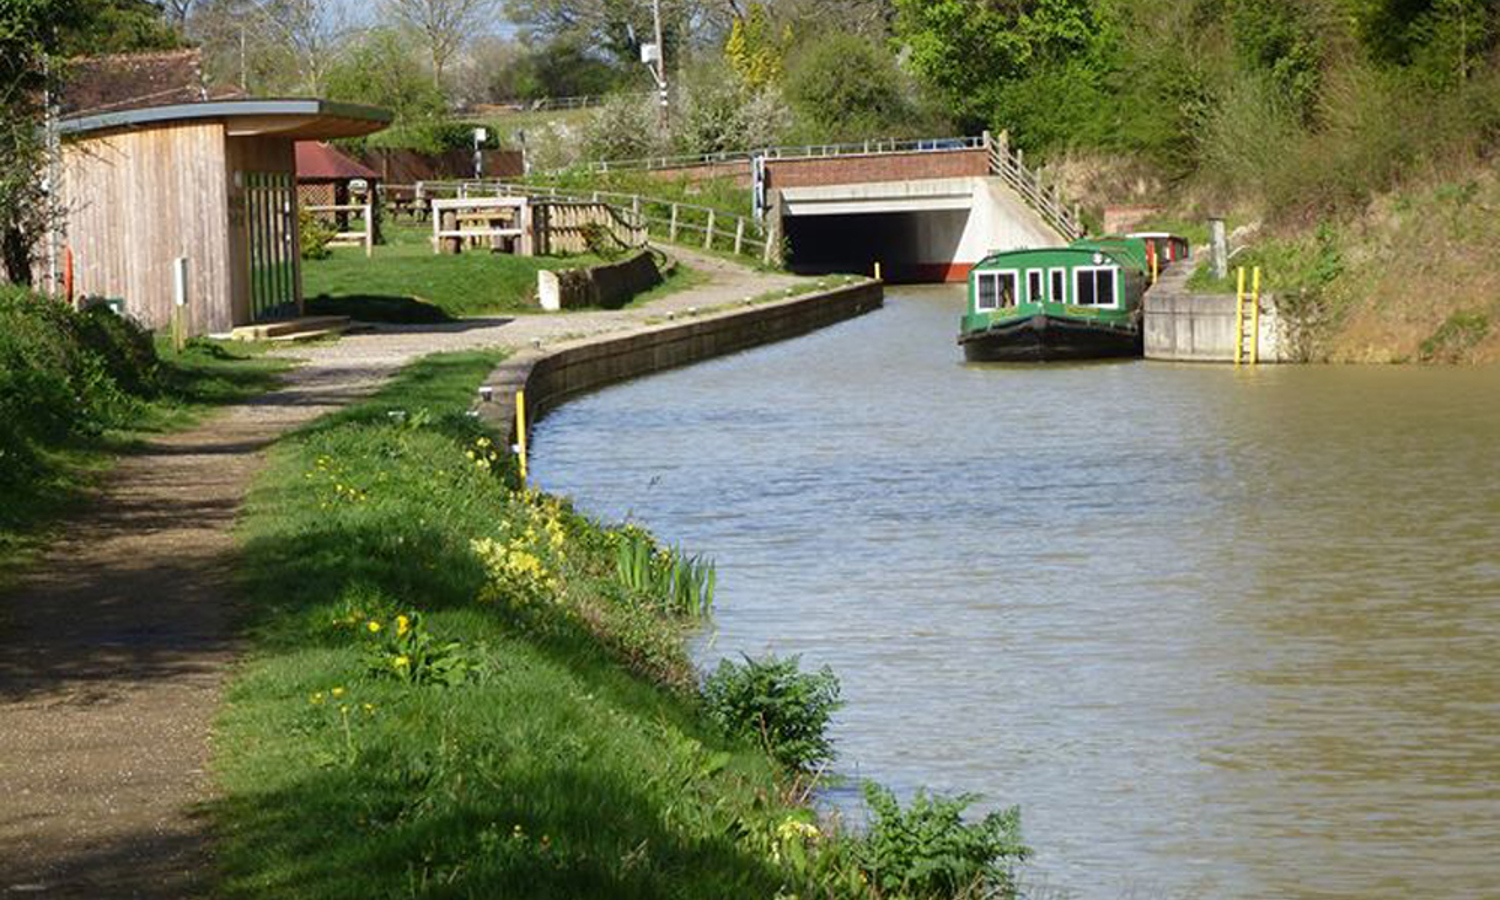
{"points": [[113, 651]]}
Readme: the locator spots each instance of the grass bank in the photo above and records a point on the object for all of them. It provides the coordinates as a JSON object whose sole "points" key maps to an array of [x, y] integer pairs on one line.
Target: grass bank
{"points": [[77, 389], [1411, 277], [456, 690], [405, 282]]}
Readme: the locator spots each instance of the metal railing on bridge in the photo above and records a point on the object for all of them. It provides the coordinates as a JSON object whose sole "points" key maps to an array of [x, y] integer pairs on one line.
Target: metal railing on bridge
{"points": [[1005, 162], [1009, 164], [668, 220], [885, 146]]}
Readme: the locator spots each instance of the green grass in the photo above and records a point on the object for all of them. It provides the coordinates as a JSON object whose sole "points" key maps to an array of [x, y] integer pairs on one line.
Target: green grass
{"points": [[681, 278], [406, 282], [190, 385], [576, 765]]}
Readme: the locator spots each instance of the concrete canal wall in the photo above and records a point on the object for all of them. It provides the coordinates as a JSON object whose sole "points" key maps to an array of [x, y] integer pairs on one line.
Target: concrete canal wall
{"points": [[552, 375], [1185, 326]]}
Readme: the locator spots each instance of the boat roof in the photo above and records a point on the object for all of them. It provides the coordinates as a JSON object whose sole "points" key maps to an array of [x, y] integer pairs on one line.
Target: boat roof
{"points": [[1121, 251], [1129, 251]]}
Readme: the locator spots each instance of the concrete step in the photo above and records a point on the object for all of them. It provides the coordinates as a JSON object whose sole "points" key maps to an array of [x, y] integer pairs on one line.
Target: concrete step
{"points": [[292, 329]]}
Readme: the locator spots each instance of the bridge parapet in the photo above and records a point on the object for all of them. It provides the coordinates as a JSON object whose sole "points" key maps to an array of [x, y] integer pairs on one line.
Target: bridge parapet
{"points": [[869, 162]]}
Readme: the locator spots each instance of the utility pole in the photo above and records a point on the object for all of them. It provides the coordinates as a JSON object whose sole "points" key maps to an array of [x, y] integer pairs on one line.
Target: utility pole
{"points": [[656, 53]]}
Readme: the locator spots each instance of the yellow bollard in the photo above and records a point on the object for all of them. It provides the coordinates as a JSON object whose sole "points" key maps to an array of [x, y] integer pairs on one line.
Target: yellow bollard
{"points": [[1239, 318], [521, 434], [1255, 321], [877, 270], [1155, 268]]}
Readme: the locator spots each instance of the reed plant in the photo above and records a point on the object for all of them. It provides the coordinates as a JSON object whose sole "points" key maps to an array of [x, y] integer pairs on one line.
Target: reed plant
{"points": [[682, 584]]}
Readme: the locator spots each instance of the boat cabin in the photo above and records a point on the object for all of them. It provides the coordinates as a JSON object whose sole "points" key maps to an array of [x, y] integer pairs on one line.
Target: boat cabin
{"points": [[1169, 248], [1087, 277]]}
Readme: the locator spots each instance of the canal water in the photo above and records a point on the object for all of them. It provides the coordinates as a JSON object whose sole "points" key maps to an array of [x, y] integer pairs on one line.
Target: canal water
{"points": [[1221, 634]]}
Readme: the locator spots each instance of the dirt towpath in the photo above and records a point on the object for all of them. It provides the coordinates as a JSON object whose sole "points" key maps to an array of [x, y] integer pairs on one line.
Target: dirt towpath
{"points": [[115, 648]]}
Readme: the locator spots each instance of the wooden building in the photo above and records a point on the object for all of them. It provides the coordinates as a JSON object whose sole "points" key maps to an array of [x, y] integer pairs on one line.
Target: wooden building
{"points": [[213, 183], [326, 177]]}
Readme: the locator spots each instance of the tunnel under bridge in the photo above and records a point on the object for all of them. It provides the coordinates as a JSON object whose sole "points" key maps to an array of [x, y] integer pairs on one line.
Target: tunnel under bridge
{"points": [[921, 230]]}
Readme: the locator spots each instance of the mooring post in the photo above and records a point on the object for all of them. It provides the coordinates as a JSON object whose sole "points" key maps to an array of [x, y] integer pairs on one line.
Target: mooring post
{"points": [[1219, 240], [521, 434]]}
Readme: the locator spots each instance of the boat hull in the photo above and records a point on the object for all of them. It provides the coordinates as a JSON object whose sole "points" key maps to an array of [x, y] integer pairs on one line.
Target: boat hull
{"points": [[1048, 338]]}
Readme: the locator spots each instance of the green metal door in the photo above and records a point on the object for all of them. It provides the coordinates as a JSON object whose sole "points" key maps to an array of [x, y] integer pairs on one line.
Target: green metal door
{"points": [[271, 210]]}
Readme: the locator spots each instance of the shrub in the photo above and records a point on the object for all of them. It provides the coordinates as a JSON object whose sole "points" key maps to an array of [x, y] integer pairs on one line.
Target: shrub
{"points": [[64, 374], [928, 851], [315, 235], [773, 703], [625, 127]]}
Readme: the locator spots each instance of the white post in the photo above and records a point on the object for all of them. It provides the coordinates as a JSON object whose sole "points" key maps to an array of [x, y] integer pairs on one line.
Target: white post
{"points": [[370, 224], [673, 231], [180, 301], [708, 233], [1220, 242], [739, 235]]}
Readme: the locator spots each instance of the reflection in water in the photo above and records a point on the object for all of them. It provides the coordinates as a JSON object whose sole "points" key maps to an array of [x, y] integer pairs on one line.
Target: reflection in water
{"points": [[1221, 633]]}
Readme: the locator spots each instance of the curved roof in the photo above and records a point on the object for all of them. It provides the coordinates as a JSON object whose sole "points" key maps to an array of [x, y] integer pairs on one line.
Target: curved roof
{"points": [[317, 161], [297, 119]]}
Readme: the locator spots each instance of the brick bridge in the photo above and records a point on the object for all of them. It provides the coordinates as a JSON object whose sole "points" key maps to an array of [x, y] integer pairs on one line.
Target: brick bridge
{"points": [[927, 210]]}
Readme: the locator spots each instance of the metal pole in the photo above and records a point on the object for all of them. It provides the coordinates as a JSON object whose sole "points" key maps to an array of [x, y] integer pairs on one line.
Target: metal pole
{"points": [[521, 435], [661, 61]]}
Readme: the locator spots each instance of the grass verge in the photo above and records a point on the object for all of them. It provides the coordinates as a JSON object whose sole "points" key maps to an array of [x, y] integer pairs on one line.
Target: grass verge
{"points": [[568, 762]]}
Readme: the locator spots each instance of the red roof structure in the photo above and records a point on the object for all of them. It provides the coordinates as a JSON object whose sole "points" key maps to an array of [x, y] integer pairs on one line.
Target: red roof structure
{"points": [[318, 162]]}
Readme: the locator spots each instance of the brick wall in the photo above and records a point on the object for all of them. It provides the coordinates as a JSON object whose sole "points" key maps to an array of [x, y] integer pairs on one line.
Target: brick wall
{"points": [[787, 173], [845, 169]]}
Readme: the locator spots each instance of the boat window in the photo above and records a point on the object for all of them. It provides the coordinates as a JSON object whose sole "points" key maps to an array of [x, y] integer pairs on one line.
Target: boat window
{"points": [[1094, 287], [1059, 286], [1034, 281], [996, 290]]}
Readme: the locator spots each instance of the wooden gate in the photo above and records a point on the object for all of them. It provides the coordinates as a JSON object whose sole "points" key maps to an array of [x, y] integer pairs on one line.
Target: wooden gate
{"points": [[271, 226]]}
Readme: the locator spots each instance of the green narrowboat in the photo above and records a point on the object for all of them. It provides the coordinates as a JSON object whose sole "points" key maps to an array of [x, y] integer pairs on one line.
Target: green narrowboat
{"points": [[1082, 301]]}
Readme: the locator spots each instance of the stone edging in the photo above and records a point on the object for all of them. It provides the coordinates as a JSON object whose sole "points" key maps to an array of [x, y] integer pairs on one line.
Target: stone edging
{"points": [[551, 376]]}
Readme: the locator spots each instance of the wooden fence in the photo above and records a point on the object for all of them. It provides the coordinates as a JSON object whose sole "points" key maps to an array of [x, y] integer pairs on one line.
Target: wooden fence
{"points": [[365, 210], [668, 220]]}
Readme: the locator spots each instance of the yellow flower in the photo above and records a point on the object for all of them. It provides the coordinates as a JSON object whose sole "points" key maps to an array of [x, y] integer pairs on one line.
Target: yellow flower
{"points": [[315, 699], [373, 626], [337, 692], [369, 707], [403, 625], [401, 662]]}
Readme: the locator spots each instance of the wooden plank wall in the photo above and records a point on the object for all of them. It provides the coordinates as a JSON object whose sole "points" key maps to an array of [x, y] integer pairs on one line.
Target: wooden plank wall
{"points": [[136, 200], [245, 155]]}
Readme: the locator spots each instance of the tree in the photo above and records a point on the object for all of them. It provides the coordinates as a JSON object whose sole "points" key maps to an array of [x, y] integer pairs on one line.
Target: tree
{"points": [[312, 31], [978, 53], [380, 69], [620, 27], [846, 87], [443, 25], [756, 49]]}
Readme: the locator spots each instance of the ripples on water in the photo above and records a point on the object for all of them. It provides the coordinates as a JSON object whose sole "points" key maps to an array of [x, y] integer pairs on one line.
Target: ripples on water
{"points": [[1220, 633]]}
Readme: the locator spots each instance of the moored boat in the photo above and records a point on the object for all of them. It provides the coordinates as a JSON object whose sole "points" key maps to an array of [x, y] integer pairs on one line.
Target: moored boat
{"points": [[1082, 301]]}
